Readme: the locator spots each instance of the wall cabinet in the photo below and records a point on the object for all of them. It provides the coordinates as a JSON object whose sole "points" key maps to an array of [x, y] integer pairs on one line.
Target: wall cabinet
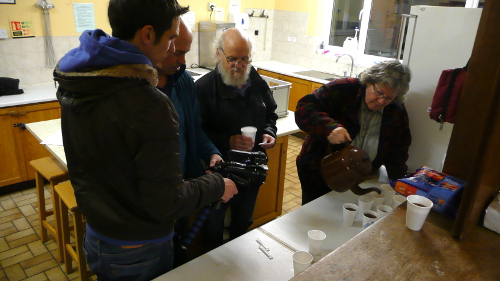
{"points": [[18, 146], [270, 198], [299, 88]]}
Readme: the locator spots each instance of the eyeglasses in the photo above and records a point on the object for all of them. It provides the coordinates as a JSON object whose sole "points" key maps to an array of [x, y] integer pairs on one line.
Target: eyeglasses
{"points": [[381, 95], [235, 61]]}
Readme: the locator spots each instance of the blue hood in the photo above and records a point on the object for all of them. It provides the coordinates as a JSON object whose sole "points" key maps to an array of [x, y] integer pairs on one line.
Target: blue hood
{"points": [[99, 50]]}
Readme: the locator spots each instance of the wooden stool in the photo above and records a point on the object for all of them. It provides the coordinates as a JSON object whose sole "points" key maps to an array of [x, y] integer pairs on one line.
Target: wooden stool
{"points": [[54, 172], [67, 202]]}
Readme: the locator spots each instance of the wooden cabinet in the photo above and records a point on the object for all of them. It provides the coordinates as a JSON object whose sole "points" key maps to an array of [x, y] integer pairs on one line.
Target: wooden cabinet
{"points": [[17, 146], [299, 88], [270, 198], [315, 86]]}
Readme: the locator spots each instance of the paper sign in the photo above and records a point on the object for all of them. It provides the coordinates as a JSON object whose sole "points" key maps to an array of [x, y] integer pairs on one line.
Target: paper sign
{"points": [[189, 20], [84, 16], [20, 29]]}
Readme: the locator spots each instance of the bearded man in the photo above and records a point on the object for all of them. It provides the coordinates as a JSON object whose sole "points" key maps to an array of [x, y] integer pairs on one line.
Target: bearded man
{"points": [[230, 97]]}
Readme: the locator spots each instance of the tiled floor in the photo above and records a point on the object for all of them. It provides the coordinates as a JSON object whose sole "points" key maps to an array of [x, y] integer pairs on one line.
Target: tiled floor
{"points": [[24, 257]]}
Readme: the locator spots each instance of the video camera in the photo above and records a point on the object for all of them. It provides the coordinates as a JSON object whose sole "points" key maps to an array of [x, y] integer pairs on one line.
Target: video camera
{"points": [[242, 167]]}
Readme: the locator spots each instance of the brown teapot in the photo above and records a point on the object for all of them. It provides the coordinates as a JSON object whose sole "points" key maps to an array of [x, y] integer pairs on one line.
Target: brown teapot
{"points": [[346, 168]]}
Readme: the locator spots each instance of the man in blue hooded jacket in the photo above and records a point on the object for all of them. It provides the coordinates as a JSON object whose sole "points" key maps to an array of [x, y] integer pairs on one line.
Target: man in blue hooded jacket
{"points": [[121, 141], [197, 151]]}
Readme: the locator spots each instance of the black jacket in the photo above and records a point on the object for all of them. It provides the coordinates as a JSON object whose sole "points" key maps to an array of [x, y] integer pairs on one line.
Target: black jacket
{"points": [[121, 142], [224, 112]]}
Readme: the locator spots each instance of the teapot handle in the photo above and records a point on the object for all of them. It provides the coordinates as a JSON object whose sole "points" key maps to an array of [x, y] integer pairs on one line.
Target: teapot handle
{"points": [[339, 146]]}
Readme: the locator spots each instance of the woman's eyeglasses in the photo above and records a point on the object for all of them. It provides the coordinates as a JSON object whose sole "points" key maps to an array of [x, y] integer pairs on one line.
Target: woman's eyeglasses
{"points": [[381, 95]]}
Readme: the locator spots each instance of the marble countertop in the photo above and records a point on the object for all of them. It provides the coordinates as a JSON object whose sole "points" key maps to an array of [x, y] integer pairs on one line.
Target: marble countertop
{"points": [[45, 92], [46, 129], [287, 69], [32, 94]]}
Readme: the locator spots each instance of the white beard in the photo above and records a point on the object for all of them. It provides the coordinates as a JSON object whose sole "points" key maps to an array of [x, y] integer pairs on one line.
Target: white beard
{"points": [[234, 79]]}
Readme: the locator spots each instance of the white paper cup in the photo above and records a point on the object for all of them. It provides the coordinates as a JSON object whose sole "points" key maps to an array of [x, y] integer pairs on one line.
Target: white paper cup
{"points": [[397, 200], [378, 199], [417, 209], [350, 212], [389, 192], [369, 217], [365, 202], [249, 131], [316, 238], [301, 261], [383, 210]]}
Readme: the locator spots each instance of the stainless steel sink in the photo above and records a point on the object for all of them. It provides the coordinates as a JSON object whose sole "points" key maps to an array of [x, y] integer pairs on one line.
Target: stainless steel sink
{"points": [[318, 75]]}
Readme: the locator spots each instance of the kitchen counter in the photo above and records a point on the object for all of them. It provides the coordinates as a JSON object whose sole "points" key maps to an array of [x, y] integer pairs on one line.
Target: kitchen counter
{"points": [[52, 128], [32, 94], [287, 69]]}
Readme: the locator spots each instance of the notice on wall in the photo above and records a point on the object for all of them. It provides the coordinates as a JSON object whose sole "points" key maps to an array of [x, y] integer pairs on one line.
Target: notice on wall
{"points": [[22, 29], [84, 16], [234, 6], [189, 20]]}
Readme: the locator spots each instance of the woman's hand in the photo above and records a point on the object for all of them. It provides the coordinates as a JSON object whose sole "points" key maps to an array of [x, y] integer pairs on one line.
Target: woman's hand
{"points": [[338, 136]]}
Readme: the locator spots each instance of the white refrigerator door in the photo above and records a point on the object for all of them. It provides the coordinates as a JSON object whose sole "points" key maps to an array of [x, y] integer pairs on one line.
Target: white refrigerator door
{"points": [[443, 39]]}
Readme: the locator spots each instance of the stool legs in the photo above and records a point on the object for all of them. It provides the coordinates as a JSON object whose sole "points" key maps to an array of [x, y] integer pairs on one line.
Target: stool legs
{"points": [[70, 253], [43, 213]]}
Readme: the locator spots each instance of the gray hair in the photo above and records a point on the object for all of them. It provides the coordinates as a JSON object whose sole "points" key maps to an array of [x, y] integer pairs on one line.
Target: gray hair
{"points": [[390, 72], [219, 40]]}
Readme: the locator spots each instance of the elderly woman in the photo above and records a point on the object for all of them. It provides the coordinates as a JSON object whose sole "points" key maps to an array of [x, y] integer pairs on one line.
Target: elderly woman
{"points": [[367, 111]]}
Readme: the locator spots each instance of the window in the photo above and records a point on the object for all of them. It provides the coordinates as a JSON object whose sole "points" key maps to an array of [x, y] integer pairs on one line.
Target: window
{"points": [[371, 27]]}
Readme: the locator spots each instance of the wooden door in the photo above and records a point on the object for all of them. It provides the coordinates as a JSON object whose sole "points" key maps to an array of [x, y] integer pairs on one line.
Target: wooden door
{"points": [[270, 198], [12, 165], [474, 147], [32, 147]]}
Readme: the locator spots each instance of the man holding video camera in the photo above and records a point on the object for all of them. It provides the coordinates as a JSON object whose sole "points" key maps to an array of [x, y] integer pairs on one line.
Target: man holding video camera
{"points": [[231, 97]]}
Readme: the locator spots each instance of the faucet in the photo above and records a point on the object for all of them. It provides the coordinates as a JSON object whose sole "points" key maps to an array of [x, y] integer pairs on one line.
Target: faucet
{"points": [[352, 62]]}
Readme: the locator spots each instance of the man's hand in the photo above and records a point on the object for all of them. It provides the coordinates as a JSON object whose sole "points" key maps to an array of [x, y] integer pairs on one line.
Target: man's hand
{"points": [[339, 135], [267, 141], [230, 190], [215, 159], [241, 142]]}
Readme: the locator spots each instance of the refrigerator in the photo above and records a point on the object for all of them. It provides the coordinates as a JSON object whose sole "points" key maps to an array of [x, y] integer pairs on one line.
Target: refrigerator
{"points": [[437, 38], [207, 32]]}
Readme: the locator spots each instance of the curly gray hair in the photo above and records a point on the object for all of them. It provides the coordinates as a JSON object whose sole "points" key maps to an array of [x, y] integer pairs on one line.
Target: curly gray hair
{"points": [[390, 72]]}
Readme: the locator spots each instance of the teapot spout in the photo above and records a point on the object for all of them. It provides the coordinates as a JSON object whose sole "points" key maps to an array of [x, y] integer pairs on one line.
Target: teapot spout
{"points": [[356, 189]]}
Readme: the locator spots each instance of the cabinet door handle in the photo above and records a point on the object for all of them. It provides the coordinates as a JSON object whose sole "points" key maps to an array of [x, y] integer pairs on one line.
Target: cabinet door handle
{"points": [[13, 113], [21, 125]]}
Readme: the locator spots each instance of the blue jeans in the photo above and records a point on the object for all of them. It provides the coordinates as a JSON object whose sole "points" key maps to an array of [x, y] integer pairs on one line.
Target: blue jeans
{"points": [[113, 262]]}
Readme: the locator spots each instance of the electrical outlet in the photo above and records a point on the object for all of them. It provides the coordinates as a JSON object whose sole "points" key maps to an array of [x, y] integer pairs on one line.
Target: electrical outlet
{"points": [[211, 6], [3, 33]]}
